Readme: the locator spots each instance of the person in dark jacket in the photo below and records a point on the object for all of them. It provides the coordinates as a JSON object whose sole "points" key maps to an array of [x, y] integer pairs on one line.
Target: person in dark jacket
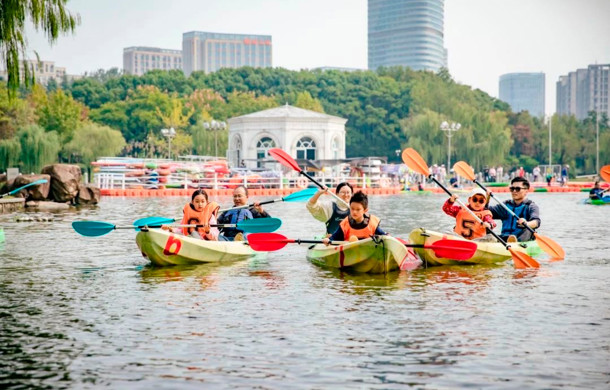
{"points": [[513, 229], [239, 213]]}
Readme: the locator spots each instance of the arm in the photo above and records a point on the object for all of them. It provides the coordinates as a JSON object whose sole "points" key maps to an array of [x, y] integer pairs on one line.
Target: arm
{"points": [[212, 234], [337, 235], [498, 212], [450, 208], [490, 221], [380, 232], [322, 211], [534, 216]]}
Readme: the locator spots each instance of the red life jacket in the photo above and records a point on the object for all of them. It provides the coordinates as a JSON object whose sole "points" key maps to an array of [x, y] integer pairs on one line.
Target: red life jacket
{"points": [[193, 217], [366, 232], [467, 226]]}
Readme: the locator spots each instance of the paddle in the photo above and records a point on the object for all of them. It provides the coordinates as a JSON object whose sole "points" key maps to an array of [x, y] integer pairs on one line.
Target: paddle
{"points": [[452, 249], [547, 244], [417, 163], [300, 196], [99, 228], [16, 190], [287, 161]]}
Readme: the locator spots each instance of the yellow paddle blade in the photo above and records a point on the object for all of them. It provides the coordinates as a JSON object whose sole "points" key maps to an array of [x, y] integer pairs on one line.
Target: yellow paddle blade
{"points": [[552, 248], [415, 161], [605, 173], [522, 260], [463, 169]]}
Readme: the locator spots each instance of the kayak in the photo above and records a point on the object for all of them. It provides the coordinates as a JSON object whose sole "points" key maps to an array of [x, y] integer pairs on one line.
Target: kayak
{"points": [[377, 255], [164, 248], [487, 252], [599, 202]]}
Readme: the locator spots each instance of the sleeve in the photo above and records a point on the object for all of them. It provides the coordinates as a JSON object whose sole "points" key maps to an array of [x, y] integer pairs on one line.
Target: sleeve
{"points": [[322, 211], [256, 214], [450, 208], [338, 235], [490, 220], [380, 232], [498, 212], [534, 213], [224, 218]]}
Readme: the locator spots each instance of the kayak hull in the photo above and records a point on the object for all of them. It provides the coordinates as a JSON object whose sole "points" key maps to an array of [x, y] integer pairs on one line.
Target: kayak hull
{"points": [[487, 253], [376, 256], [164, 248]]}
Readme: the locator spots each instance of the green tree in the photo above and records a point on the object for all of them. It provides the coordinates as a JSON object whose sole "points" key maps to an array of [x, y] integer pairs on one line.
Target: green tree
{"points": [[92, 141], [10, 153], [50, 16], [38, 147], [206, 142], [306, 101], [61, 114]]}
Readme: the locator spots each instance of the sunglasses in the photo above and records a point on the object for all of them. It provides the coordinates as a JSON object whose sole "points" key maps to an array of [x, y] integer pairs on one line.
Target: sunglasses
{"points": [[478, 200], [516, 189]]}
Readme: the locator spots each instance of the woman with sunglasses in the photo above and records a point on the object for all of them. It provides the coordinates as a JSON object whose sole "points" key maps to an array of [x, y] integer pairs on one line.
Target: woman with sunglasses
{"points": [[465, 224], [513, 229]]}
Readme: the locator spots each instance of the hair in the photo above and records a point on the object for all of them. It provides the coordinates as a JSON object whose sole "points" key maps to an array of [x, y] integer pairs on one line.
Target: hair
{"points": [[199, 192], [523, 180], [344, 184], [360, 197], [245, 190]]}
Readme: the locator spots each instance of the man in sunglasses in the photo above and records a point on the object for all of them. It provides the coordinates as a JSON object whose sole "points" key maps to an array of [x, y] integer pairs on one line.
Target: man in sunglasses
{"points": [[513, 229]]}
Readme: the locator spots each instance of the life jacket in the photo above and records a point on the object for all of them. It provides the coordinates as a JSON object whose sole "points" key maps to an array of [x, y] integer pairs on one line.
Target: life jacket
{"points": [[467, 226], [367, 231], [233, 217], [193, 217], [335, 219]]}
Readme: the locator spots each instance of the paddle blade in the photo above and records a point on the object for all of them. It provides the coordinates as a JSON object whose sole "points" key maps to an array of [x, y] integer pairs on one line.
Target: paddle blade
{"points": [[152, 221], [453, 249], [301, 196], [92, 228], [463, 169], [522, 260], [415, 161], [605, 173], [260, 225], [267, 242], [284, 159], [552, 248]]}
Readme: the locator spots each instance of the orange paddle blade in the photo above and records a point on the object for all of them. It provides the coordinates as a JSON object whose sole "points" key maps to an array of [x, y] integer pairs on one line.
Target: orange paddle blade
{"points": [[463, 169], [284, 159], [605, 173], [415, 161], [522, 260], [552, 248]]}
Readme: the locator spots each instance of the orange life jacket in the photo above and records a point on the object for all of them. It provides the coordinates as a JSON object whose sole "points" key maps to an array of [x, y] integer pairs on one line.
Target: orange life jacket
{"points": [[468, 227], [366, 232], [193, 217]]}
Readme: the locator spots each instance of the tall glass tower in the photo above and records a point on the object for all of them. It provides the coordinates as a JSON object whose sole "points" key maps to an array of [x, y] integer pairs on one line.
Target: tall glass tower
{"points": [[407, 33]]}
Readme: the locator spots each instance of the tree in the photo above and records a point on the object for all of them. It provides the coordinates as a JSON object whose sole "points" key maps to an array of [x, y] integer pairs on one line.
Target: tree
{"points": [[62, 114], [92, 141], [306, 101], [38, 148], [50, 16]]}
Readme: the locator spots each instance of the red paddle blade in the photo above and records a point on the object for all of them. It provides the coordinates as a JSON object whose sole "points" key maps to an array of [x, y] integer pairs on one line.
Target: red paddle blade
{"points": [[522, 260], [453, 249], [284, 159], [463, 169], [605, 173], [415, 161], [267, 242]]}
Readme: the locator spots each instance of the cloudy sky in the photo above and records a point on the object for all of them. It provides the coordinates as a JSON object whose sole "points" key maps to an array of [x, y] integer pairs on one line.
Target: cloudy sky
{"points": [[485, 38]]}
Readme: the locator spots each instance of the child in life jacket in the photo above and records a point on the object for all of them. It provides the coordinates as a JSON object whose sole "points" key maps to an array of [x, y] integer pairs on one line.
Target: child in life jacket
{"points": [[198, 212], [359, 224], [465, 224]]}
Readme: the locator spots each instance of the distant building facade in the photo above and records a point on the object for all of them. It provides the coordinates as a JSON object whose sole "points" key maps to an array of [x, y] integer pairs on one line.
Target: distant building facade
{"points": [[584, 90], [524, 92], [304, 134], [44, 71], [208, 52], [406, 33], [138, 60]]}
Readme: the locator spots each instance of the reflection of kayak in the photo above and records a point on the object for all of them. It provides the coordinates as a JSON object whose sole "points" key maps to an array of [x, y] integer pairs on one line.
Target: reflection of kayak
{"points": [[378, 256], [487, 252], [164, 248]]}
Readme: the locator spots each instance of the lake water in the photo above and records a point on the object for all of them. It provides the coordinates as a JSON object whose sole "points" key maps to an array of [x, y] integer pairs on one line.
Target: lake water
{"points": [[80, 312]]}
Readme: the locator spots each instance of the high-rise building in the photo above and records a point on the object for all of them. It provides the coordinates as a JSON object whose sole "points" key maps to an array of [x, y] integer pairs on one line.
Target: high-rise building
{"points": [[524, 92], [211, 51], [584, 90], [407, 33], [138, 60]]}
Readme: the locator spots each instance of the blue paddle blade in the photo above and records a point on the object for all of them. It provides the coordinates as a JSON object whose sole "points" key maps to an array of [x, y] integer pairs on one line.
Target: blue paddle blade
{"points": [[92, 228], [301, 196], [152, 221], [260, 225]]}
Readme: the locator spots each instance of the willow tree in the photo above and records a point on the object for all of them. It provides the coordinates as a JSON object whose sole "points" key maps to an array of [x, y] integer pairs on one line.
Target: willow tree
{"points": [[38, 147], [10, 150], [49, 16], [92, 141]]}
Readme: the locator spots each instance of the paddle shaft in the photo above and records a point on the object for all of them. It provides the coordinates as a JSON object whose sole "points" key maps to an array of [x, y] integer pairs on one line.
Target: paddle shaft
{"points": [[247, 206], [41, 181], [314, 181], [231, 225], [470, 211], [299, 241]]}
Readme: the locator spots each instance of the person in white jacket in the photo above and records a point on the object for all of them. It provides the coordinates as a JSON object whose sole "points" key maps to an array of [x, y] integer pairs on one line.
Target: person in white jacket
{"points": [[329, 211]]}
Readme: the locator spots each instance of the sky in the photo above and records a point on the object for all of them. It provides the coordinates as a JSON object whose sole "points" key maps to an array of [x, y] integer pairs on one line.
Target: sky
{"points": [[484, 38]]}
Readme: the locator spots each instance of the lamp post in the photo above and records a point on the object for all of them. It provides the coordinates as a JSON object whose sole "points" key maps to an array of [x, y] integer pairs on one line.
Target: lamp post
{"points": [[169, 133], [449, 130], [214, 126]]}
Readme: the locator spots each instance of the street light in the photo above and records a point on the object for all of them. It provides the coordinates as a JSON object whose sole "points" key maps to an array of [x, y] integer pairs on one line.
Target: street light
{"points": [[449, 129], [215, 126], [169, 133]]}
